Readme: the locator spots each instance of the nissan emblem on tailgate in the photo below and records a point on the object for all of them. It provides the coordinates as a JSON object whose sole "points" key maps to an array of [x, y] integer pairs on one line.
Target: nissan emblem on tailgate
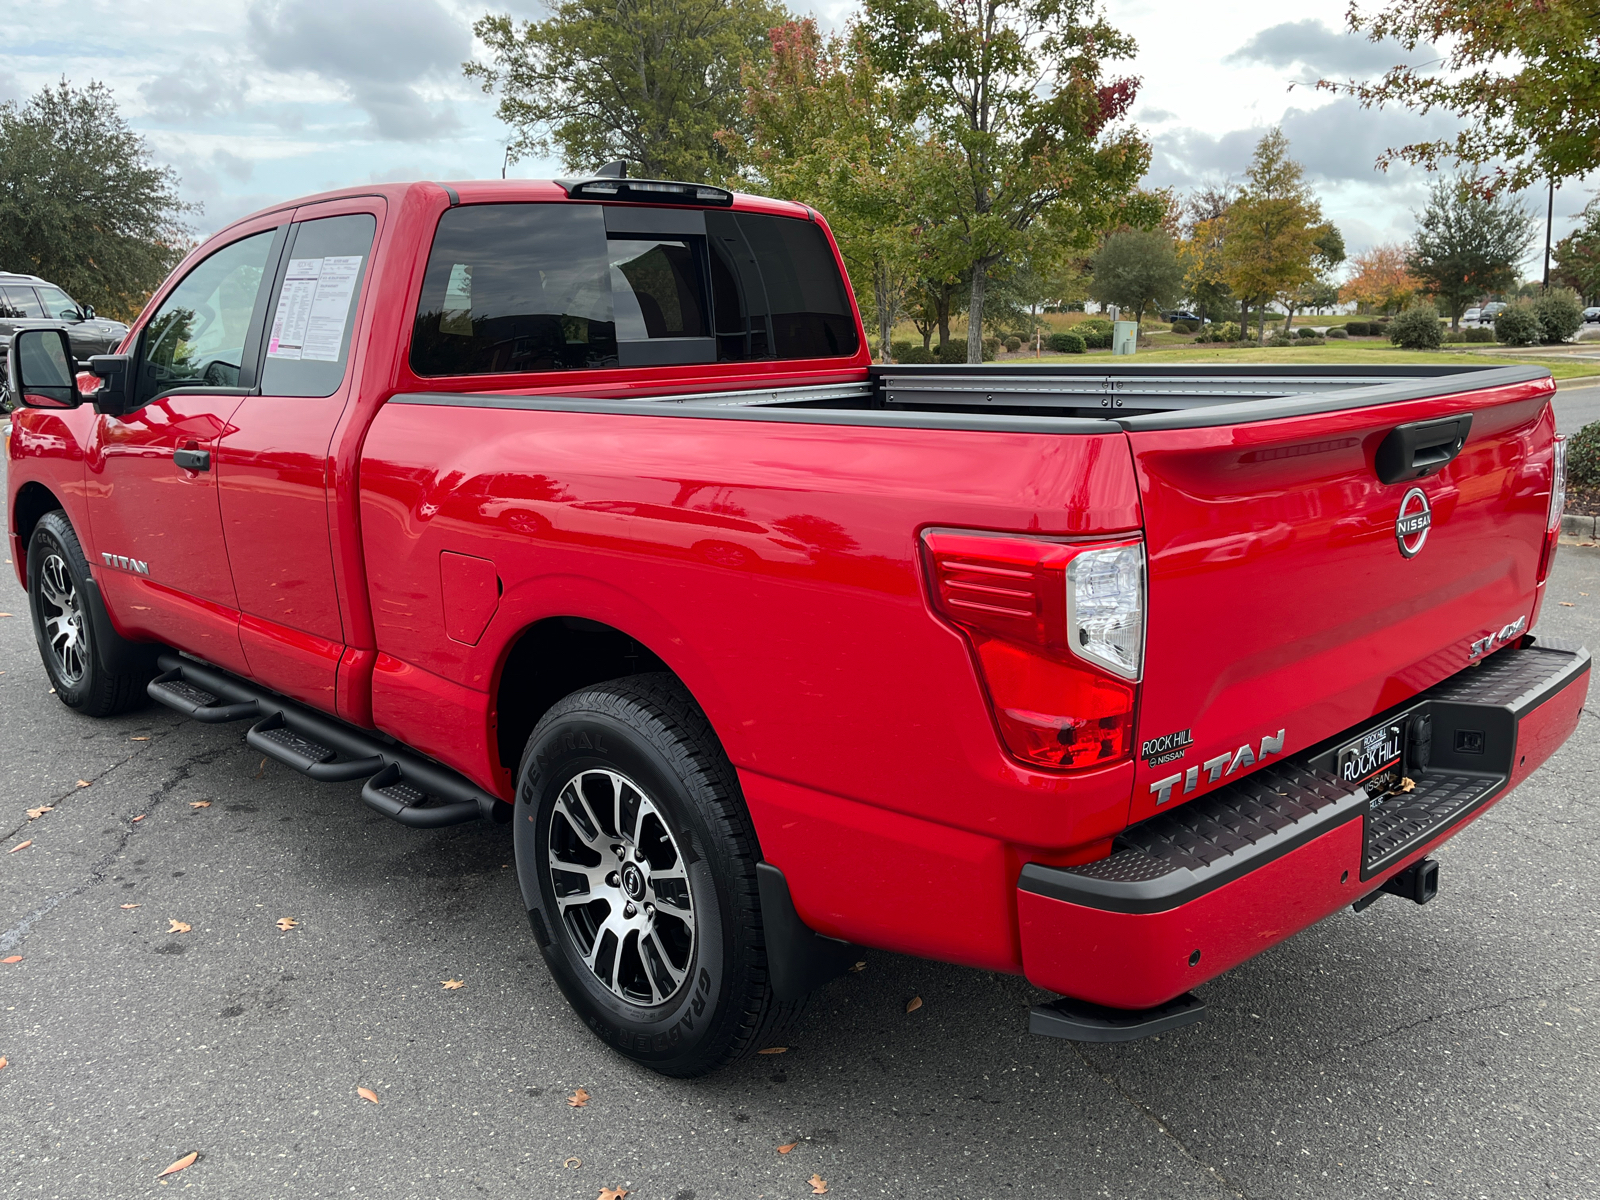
{"points": [[1412, 525]]}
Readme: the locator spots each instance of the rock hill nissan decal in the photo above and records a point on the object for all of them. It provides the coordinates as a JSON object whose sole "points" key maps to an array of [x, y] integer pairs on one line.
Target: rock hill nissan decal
{"points": [[1412, 525]]}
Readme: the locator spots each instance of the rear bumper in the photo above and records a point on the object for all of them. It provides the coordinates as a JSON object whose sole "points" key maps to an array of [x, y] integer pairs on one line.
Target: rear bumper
{"points": [[1197, 890]]}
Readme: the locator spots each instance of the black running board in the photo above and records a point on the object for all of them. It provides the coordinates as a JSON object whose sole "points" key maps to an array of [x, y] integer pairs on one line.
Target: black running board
{"points": [[1080, 1021], [400, 783]]}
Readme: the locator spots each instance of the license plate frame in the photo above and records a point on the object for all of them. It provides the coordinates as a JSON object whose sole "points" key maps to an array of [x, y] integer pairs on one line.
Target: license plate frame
{"points": [[1376, 751]]}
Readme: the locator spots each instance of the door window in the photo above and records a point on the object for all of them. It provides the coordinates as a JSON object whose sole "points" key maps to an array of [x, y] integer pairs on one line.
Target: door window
{"points": [[21, 302], [197, 336], [313, 319], [58, 304]]}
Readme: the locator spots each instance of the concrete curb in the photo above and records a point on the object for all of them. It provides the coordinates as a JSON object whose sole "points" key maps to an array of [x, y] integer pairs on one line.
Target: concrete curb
{"points": [[1579, 527]]}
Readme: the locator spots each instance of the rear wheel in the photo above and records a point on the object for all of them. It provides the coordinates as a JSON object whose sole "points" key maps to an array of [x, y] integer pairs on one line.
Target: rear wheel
{"points": [[64, 626], [637, 864]]}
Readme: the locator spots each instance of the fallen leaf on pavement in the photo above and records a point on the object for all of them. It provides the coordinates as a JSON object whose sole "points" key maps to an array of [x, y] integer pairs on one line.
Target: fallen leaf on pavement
{"points": [[789, 1147], [199, 804], [916, 1003], [139, 739], [819, 1185], [187, 1160], [139, 818], [5, 614], [573, 1163], [2, 1064], [83, 783], [287, 923], [860, 966], [130, 906], [453, 985], [15, 958], [773, 1050], [367, 1094], [612, 1193], [20, 846], [578, 1098], [1566, 604], [35, 813], [178, 926], [1407, 784]]}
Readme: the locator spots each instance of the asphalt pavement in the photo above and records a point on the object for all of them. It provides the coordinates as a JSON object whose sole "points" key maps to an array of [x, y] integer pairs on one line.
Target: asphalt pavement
{"points": [[1444, 1051]]}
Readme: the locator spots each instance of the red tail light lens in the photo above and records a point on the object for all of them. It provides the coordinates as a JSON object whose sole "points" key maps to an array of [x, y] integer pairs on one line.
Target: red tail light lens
{"points": [[1009, 596]]}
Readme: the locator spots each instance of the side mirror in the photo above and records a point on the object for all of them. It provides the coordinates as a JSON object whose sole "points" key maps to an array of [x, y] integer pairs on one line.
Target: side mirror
{"points": [[112, 397], [42, 370], [88, 312]]}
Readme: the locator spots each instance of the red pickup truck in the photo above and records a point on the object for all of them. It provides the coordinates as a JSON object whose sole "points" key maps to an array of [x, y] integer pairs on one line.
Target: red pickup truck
{"points": [[579, 505]]}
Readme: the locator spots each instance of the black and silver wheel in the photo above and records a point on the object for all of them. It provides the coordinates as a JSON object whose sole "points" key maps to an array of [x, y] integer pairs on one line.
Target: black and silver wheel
{"points": [[637, 863], [95, 679]]}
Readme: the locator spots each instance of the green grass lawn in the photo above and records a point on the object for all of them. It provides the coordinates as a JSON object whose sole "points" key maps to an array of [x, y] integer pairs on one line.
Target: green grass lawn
{"points": [[1374, 353]]}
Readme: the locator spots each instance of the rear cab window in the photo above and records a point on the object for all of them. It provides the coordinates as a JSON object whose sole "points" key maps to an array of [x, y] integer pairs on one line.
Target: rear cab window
{"points": [[550, 286]]}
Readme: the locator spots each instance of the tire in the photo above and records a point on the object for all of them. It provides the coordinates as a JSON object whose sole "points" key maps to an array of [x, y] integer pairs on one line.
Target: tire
{"points": [[634, 765], [90, 677]]}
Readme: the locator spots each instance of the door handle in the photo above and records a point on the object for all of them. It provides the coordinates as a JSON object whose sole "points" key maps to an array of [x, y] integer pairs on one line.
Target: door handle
{"points": [[193, 460], [1419, 449]]}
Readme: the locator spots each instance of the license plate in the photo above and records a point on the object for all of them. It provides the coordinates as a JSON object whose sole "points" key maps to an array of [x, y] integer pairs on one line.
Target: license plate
{"points": [[1373, 753]]}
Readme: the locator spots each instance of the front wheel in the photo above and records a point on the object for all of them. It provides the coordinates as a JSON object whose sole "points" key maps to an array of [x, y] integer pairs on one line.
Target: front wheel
{"points": [[637, 864], [81, 669]]}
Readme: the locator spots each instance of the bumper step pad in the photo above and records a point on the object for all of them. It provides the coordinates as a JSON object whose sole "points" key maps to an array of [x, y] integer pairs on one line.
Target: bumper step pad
{"points": [[400, 784]]}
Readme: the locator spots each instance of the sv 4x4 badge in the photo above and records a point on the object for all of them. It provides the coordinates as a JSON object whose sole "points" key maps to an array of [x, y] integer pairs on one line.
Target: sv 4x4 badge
{"points": [[1497, 639]]}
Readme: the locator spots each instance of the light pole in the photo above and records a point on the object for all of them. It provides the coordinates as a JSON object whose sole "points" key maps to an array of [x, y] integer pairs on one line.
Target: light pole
{"points": [[1549, 220]]}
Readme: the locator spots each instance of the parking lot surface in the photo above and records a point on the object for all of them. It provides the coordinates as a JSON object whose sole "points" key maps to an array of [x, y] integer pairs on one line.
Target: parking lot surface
{"points": [[1445, 1051]]}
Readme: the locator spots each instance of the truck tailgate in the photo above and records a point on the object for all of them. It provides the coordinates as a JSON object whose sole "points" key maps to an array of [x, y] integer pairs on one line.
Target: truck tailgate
{"points": [[1283, 606]]}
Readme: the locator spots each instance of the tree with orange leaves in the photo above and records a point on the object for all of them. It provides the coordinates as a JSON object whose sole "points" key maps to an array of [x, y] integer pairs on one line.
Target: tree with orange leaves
{"points": [[1381, 282]]}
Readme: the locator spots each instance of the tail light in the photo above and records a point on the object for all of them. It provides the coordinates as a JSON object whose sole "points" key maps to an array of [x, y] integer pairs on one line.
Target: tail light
{"points": [[1558, 503], [1057, 629]]}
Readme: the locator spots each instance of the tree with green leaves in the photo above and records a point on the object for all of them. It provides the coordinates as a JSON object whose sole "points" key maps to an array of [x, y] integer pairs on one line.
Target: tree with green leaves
{"points": [[1136, 269], [649, 81], [1521, 74], [1577, 256], [1020, 121], [1319, 291], [1468, 243], [1200, 251], [83, 204], [1270, 238]]}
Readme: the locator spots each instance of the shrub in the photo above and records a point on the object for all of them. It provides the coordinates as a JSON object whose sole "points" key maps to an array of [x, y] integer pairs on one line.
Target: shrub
{"points": [[1226, 332], [1355, 329], [899, 350], [1013, 344], [1518, 325], [1583, 457], [989, 348], [1280, 339], [1307, 334], [1066, 343], [1417, 328], [1183, 327], [1336, 332], [1479, 334], [1314, 341], [1560, 315], [910, 352]]}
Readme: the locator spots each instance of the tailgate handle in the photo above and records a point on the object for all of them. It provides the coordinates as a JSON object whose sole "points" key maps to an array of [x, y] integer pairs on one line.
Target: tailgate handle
{"points": [[1419, 449]]}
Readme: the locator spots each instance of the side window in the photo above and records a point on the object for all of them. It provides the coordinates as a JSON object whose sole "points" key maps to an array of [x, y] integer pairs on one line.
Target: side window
{"points": [[58, 304], [656, 287], [811, 312], [516, 287], [197, 337], [21, 302], [313, 317]]}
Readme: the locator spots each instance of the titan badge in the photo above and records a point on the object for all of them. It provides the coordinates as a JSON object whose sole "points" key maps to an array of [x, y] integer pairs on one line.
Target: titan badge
{"points": [[1223, 764], [123, 563]]}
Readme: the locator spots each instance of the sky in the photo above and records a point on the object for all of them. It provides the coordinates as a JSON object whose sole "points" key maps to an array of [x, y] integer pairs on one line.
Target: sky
{"points": [[257, 101]]}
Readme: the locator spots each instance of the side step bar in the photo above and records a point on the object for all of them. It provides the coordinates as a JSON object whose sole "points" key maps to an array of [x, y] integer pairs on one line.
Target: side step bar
{"points": [[400, 783]]}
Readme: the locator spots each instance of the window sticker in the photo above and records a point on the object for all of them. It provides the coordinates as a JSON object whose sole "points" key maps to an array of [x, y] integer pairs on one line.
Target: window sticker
{"points": [[314, 307], [455, 315]]}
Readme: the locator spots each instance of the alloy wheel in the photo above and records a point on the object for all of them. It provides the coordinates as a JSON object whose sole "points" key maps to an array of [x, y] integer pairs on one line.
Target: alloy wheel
{"points": [[621, 886], [63, 618]]}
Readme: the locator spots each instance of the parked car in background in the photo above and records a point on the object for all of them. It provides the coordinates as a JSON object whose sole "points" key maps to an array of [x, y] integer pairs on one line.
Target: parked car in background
{"points": [[1490, 312], [28, 302], [1591, 314], [1181, 314], [1471, 316]]}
